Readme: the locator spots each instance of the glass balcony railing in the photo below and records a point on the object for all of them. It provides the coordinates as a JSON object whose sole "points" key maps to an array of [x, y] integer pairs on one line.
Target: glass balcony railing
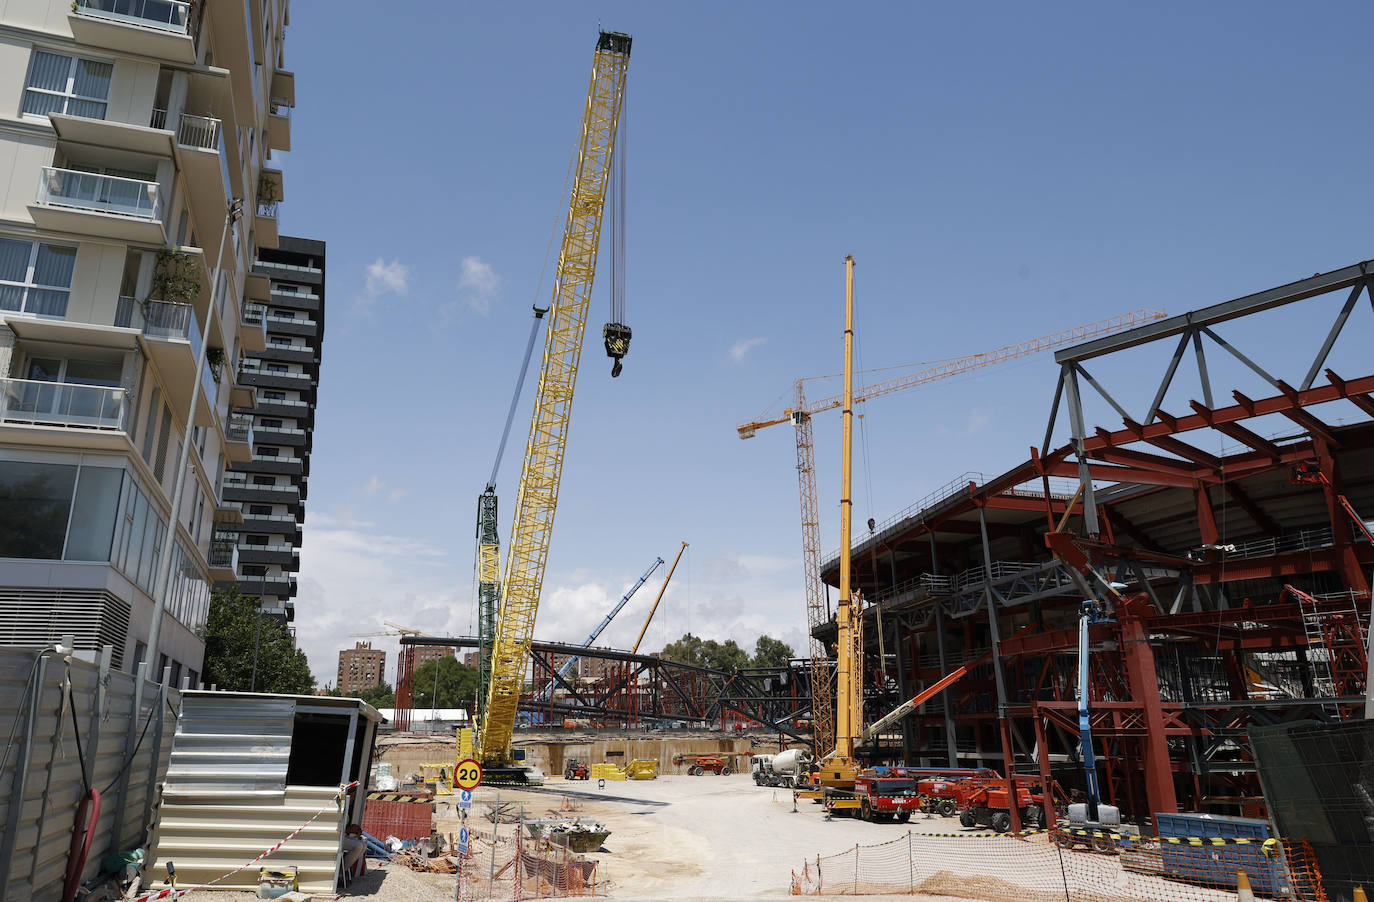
{"points": [[164, 15], [134, 198], [62, 404]]}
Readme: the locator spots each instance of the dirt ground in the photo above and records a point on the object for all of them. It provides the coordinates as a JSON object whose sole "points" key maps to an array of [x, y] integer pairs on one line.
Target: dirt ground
{"points": [[708, 837]]}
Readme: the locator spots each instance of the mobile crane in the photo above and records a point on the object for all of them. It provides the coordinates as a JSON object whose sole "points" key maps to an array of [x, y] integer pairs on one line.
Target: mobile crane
{"points": [[537, 496]]}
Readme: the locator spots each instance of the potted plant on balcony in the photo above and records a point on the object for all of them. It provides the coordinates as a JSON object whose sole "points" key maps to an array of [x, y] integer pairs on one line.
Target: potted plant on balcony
{"points": [[174, 278], [214, 358], [268, 194]]}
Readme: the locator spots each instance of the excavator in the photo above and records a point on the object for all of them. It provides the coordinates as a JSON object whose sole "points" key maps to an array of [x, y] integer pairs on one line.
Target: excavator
{"points": [[507, 607]]}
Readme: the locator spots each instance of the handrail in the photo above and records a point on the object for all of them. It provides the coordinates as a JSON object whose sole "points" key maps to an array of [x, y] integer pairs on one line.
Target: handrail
{"points": [[163, 15], [62, 404], [134, 198]]}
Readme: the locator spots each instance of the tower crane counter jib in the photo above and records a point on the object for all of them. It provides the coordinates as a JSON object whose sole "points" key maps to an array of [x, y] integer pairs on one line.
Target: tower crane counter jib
{"points": [[537, 497]]}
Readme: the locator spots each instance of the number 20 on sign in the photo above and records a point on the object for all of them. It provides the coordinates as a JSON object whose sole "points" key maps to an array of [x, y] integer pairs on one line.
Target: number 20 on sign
{"points": [[468, 774]]}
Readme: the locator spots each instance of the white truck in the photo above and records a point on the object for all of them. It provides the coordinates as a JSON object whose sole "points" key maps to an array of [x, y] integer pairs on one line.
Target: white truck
{"points": [[785, 769]]}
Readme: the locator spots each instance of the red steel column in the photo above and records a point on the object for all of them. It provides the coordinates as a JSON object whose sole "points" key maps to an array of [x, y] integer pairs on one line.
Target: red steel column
{"points": [[1349, 562], [1140, 669]]}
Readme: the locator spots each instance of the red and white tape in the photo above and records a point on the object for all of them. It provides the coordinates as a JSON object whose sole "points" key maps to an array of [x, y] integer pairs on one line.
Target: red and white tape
{"points": [[174, 893]]}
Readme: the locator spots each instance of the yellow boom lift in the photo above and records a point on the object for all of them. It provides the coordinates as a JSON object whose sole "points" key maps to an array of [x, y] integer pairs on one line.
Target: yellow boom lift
{"points": [[537, 497]]}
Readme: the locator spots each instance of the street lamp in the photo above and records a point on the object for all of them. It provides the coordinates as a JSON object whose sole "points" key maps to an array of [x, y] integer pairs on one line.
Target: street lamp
{"points": [[162, 585]]}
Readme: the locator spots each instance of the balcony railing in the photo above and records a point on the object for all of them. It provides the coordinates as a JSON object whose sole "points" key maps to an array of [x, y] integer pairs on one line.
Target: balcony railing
{"points": [[164, 15], [292, 320], [198, 131], [265, 431], [223, 554], [253, 314], [134, 198], [268, 208], [276, 459], [239, 428], [62, 404], [250, 369]]}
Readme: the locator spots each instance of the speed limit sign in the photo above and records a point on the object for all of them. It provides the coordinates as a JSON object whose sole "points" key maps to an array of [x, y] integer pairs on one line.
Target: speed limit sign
{"points": [[468, 774]]}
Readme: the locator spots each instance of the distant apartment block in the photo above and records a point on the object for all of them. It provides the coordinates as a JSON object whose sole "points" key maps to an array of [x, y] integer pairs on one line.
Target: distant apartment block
{"points": [[426, 653], [126, 128], [286, 287], [360, 667]]}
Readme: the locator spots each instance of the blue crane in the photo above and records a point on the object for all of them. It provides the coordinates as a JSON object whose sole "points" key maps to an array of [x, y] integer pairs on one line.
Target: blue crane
{"points": [[569, 664]]}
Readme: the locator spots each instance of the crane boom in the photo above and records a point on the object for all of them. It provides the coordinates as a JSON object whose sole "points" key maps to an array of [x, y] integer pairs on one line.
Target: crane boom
{"points": [[537, 498], [569, 664], [800, 416]]}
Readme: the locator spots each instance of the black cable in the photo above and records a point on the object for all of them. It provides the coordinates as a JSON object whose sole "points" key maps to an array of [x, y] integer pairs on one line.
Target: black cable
{"points": [[76, 732], [152, 709], [19, 714]]}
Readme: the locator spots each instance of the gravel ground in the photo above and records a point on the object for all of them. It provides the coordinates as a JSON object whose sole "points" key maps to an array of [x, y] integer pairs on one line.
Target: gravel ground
{"points": [[383, 881], [708, 837]]}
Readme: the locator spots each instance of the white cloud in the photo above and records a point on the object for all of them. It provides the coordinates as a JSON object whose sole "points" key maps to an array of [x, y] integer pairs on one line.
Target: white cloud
{"points": [[397, 494], [374, 485], [386, 278], [740, 349], [478, 285]]}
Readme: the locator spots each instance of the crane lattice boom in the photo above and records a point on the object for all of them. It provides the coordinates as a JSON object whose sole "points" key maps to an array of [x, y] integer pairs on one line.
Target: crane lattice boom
{"points": [[822, 707], [537, 498]]}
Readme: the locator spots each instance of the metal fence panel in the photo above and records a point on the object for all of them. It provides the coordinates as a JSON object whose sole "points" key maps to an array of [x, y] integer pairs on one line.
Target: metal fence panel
{"points": [[62, 741]]}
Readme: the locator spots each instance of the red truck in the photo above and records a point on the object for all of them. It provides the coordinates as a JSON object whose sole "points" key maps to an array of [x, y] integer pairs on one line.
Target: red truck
{"points": [[886, 797], [987, 803], [938, 786]]}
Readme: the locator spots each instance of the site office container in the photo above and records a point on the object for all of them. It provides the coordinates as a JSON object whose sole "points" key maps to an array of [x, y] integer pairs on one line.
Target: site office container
{"points": [[1217, 865]]}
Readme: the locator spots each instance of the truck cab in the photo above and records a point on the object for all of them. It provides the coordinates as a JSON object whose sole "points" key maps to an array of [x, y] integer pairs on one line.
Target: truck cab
{"points": [[886, 796], [761, 769]]}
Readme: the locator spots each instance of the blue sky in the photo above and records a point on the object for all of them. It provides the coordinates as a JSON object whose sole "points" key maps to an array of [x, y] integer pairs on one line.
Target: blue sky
{"points": [[999, 172]]}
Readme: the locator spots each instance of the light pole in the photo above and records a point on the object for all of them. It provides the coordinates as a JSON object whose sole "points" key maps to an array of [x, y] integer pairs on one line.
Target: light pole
{"points": [[162, 584]]}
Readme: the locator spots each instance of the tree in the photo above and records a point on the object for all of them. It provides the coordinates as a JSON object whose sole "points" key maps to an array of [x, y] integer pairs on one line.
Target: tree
{"points": [[379, 696], [457, 684], [770, 652], [234, 627], [692, 649]]}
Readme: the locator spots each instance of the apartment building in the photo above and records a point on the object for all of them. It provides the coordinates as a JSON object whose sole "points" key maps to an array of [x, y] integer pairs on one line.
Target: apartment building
{"points": [[360, 667], [271, 487], [126, 129]]}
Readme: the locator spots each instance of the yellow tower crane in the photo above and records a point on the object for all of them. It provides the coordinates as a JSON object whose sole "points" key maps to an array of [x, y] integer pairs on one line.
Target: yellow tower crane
{"points": [[800, 414], [537, 497]]}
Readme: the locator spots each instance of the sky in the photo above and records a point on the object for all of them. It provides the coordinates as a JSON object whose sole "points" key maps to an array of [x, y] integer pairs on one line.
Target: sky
{"points": [[1000, 171]]}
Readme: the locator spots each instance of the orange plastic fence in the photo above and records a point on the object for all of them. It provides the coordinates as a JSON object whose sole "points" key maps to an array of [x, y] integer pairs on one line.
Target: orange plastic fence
{"points": [[1065, 867]]}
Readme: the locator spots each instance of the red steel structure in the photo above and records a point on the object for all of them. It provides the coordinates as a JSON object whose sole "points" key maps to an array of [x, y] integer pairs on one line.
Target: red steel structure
{"points": [[1238, 594]]}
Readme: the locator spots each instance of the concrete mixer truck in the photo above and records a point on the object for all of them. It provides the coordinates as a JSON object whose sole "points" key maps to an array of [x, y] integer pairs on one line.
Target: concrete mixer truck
{"points": [[786, 769]]}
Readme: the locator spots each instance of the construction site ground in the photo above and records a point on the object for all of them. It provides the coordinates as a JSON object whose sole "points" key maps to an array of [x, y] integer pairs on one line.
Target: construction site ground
{"points": [[683, 837]]}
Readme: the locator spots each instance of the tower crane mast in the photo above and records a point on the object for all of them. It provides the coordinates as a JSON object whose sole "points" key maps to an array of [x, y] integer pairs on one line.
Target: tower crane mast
{"points": [[537, 498], [800, 414]]}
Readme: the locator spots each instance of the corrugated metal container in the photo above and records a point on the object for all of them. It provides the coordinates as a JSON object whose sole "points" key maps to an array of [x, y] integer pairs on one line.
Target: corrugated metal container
{"points": [[1219, 863], [229, 797]]}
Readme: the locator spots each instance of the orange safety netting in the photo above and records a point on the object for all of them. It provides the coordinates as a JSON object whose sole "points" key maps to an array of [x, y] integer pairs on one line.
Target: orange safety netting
{"points": [[1066, 866]]}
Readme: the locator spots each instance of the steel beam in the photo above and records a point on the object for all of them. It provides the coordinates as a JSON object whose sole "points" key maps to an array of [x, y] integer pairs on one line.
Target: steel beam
{"points": [[1346, 277]]}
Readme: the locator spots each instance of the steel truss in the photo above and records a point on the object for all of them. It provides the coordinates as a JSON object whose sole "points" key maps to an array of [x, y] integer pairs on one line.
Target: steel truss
{"points": [[1213, 636]]}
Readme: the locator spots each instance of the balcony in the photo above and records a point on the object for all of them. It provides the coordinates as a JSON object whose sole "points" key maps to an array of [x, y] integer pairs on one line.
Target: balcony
{"points": [[106, 206], [252, 327], [251, 374], [238, 433], [223, 557], [63, 410], [156, 28], [281, 554], [281, 435], [283, 525], [279, 126], [171, 339], [292, 325], [280, 586], [279, 464], [242, 490], [284, 87], [265, 224]]}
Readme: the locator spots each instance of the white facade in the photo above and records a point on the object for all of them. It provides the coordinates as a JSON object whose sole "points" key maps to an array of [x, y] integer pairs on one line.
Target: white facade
{"points": [[126, 126]]}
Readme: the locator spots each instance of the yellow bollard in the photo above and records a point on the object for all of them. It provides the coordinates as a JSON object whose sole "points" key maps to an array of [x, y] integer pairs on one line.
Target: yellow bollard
{"points": [[1243, 891], [1359, 894]]}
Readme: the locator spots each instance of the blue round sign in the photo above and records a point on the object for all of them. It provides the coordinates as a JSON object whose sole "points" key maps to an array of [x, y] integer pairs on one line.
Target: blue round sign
{"points": [[463, 835]]}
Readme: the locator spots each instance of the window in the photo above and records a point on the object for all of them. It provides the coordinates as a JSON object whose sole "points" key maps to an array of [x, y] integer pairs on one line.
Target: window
{"points": [[269, 423], [66, 84], [276, 368], [284, 314], [272, 395], [260, 510], [257, 570], [279, 341], [267, 452], [35, 278], [35, 504], [254, 539], [264, 480]]}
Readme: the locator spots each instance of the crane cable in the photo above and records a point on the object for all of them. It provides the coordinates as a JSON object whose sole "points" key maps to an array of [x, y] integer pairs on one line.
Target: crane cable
{"points": [[616, 333], [515, 398]]}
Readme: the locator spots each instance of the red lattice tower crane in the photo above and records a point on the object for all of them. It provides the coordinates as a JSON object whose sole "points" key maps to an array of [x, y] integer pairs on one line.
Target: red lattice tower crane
{"points": [[800, 414]]}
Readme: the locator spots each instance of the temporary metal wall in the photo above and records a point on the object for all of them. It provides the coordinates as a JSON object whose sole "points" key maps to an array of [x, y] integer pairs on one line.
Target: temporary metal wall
{"points": [[123, 726]]}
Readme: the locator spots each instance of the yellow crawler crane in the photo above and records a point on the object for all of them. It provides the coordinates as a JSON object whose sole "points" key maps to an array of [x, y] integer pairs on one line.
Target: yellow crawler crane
{"points": [[537, 498]]}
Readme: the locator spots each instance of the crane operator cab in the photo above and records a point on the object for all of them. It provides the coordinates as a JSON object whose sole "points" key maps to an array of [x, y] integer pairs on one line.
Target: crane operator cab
{"points": [[617, 337]]}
